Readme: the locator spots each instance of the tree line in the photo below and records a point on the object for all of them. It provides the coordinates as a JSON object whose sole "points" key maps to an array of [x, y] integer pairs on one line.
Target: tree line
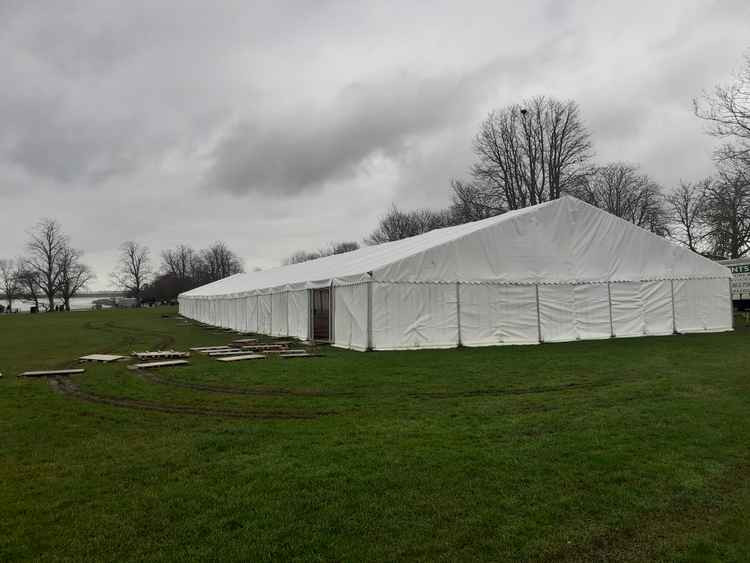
{"points": [[181, 268], [51, 271], [539, 149]]}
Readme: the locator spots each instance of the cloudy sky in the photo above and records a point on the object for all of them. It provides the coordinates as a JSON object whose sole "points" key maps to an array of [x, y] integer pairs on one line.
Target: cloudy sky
{"points": [[282, 126]]}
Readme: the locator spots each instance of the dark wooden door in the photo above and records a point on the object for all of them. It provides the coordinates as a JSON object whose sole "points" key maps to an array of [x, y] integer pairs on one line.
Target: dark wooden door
{"points": [[321, 313]]}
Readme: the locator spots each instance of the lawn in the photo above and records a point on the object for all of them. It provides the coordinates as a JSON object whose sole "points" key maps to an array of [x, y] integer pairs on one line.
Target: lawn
{"points": [[627, 449]]}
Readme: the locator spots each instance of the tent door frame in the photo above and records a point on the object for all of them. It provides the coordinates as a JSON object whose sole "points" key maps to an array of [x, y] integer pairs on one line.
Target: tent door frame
{"points": [[320, 314]]}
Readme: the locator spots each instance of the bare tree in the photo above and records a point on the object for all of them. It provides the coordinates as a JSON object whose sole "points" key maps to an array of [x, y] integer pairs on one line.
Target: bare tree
{"points": [[526, 153], [397, 224], [45, 248], [9, 283], [179, 261], [686, 206], [331, 249], [727, 110], [74, 275], [344, 247], [471, 203], [133, 268], [727, 214], [220, 262], [622, 190]]}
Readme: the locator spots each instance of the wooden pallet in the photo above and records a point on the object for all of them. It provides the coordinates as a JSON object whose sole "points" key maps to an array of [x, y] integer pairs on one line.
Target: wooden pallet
{"points": [[50, 372], [103, 358], [302, 355], [160, 354], [262, 347], [242, 357], [234, 352], [168, 363]]}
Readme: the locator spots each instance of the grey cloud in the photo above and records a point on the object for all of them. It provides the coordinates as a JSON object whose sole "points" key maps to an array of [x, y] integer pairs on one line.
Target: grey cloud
{"points": [[313, 146]]}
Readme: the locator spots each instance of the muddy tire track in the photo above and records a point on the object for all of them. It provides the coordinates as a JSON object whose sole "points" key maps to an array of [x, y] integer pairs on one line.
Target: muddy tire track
{"points": [[231, 390], [70, 389], [500, 392]]}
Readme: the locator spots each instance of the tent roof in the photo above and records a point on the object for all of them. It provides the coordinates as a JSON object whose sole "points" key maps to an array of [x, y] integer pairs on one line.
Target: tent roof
{"points": [[511, 252]]}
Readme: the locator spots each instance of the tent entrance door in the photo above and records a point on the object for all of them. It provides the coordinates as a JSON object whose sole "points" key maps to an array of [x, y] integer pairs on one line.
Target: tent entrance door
{"points": [[321, 309]]}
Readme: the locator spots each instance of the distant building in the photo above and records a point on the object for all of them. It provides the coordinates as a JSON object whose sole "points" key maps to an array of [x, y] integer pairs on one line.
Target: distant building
{"points": [[740, 268]]}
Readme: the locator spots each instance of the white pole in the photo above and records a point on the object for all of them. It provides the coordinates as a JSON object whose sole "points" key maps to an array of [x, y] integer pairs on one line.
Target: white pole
{"points": [[538, 314], [369, 314], [674, 316], [611, 324], [458, 312]]}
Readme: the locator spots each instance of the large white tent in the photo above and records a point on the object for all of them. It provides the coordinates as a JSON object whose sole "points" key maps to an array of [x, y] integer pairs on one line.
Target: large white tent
{"points": [[557, 271]]}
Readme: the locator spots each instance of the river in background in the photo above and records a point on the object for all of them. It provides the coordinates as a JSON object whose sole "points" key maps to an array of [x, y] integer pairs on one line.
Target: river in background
{"points": [[76, 304]]}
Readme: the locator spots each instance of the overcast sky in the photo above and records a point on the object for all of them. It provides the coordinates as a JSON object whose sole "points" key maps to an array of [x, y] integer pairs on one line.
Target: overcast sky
{"points": [[282, 126]]}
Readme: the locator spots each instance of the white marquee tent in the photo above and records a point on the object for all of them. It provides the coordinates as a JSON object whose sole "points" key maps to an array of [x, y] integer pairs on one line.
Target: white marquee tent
{"points": [[558, 271]]}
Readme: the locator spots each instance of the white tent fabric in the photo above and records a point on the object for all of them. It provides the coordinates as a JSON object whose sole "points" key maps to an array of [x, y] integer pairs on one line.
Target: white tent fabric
{"points": [[558, 271]]}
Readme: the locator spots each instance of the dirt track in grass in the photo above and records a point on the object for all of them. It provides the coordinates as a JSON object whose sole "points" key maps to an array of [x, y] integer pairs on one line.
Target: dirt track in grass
{"points": [[70, 389]]}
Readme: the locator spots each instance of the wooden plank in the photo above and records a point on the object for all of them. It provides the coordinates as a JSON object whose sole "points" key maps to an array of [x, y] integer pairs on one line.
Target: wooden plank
{"points": [[168, 363], [211, 348], [244, 340], [100, 358], [243, 357], [51, 372]]}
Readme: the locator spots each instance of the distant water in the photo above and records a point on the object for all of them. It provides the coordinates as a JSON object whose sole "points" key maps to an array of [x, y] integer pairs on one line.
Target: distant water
{"points": [[76, 304]]}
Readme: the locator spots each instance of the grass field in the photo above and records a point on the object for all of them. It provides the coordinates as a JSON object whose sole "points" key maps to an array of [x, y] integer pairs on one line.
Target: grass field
{"points": [[633, 449]]}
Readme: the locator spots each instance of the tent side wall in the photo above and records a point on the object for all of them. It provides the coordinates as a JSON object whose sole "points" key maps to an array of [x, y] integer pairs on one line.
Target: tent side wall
{"points": [[444, 315]]}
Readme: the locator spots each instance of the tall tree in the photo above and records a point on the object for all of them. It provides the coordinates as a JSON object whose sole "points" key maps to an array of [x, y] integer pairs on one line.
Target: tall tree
{"points": [[220, 262], [727, 110], [74, 275], [180, 262], [686, 207], [133, 268], [45, 248], [526, 154], [9, 282], [622, 190], [727, 214]]}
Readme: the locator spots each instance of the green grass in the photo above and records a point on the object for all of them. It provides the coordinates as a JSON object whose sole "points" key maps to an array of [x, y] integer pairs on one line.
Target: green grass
{"points": [[630, 449]]}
